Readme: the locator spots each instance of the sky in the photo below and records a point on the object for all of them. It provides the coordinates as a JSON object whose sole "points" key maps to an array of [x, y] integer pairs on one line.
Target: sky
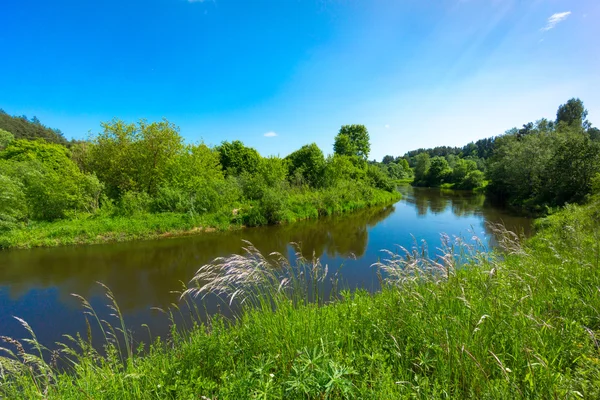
{"points": [[278, 74]]}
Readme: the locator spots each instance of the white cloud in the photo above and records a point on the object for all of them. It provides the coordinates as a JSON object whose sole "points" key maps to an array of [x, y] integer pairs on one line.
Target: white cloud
{"points": [[270, 134], [555, 19], [387, 126]]}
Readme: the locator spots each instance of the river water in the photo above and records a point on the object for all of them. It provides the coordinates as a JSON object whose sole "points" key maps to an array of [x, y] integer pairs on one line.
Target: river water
{"points": [[36, 285]]}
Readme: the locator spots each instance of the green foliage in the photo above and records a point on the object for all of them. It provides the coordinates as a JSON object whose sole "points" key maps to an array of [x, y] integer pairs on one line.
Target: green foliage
{"points": [[134, 157], [23, 128], [548, 167], [133, 170], [13, 205], [462, 168], [439, 172], [473, 180], [53, 185], [340, 168], [6, 138], [379, 179], [237, 158], [422, 165], [353, 140], [306, 165], [572, 113]]}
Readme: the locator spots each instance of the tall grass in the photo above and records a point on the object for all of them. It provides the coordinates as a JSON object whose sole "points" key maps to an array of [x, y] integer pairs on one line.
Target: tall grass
{"points": [[463, 324]]}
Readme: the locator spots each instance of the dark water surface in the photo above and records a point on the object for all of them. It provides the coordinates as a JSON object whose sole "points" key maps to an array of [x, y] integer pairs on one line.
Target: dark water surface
{"points": [[36, 285]]}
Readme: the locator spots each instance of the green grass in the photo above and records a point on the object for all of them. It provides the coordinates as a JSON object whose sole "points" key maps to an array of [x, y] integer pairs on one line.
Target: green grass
{"points": [[523, 325], [93, 229]]}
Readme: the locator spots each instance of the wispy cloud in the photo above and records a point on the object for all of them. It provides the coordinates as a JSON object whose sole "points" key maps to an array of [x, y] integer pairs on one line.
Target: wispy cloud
{"points": [[387, 126], [270, 134], [555, 19]]}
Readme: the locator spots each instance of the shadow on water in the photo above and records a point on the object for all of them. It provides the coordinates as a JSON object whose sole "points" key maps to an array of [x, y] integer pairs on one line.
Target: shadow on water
{"points": [[37, 284]]}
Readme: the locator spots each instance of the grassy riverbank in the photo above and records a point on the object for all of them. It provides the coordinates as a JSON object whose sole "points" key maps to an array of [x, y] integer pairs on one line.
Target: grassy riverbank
{"points": [[525, 325], [102, 228]]}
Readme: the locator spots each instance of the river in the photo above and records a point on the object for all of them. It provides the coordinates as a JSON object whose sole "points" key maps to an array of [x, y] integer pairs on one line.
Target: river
{"points": [[36, 285]]}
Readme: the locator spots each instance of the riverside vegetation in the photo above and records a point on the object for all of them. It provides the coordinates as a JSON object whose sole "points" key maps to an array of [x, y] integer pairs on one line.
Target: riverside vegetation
{"points": [[464, 324], [142, 181]]}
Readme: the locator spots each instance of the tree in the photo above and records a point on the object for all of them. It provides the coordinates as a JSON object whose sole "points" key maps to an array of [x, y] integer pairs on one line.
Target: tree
{"points": [[422, 164], [439, 171], [462, 168], [237, 158], [5, 138], [307, 162], [572, 113], [52, 184], [387, 159], [134, 157], [353, 140]]}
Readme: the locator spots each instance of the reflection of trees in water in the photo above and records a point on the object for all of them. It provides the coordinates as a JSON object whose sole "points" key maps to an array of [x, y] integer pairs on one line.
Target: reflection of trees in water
{"points": [[142, 274], [462, 204], [436, 201]]}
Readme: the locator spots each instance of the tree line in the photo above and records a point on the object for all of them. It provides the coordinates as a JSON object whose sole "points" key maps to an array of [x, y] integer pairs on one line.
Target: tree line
{"points": [[542, 165], [130, 169]]}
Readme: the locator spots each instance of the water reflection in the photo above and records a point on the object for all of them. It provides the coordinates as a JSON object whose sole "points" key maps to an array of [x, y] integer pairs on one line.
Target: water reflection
{"points": [[36, 284]]}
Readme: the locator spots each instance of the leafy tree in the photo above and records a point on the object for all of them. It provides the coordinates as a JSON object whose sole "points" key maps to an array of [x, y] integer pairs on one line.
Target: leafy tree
{"points": [[387, 159], [462, 169], [353, 140], [134, 157], [5, 138], [308, 162], [569, 173], [572, 112], [473, 179], [422, 165], [439, 171], [342, 168], [237, 158], [53, 185], [13, 205], [379, 179]]}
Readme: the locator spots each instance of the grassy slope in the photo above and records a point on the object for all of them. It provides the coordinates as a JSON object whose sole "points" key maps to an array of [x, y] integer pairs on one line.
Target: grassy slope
{"points": [[101, 229], [526, 326]]}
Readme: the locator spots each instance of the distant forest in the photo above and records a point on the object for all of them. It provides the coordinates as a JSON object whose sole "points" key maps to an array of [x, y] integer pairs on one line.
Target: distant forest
{"points": [[23, 128]]}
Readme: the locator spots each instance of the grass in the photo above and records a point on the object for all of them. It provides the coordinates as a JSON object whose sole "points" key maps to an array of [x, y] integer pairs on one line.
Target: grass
{"points": [[94, 229], [467, 324]]}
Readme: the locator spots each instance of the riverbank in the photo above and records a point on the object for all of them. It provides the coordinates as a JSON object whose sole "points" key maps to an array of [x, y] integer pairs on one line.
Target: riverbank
{"points": [[99, 228], [522, 325]]}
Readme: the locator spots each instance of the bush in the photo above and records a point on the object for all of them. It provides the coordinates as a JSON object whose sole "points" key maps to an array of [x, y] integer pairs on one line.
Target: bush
{"points": [[133, 203], [379, 179], [473, 180]]}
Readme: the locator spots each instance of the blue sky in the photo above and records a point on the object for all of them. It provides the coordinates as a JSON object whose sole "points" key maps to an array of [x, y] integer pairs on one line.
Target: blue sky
{"points": [[416, 73]]}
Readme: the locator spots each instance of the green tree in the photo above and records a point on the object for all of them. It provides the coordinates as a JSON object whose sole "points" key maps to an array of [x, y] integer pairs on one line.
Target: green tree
{"points": [[308, 163], [387, 159], [342, 168], [53, 185], [462, 169], [439, 171], [353, 140], [422, 165], [134, 157], [5, 138], [572, 112], [237, 158]]}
